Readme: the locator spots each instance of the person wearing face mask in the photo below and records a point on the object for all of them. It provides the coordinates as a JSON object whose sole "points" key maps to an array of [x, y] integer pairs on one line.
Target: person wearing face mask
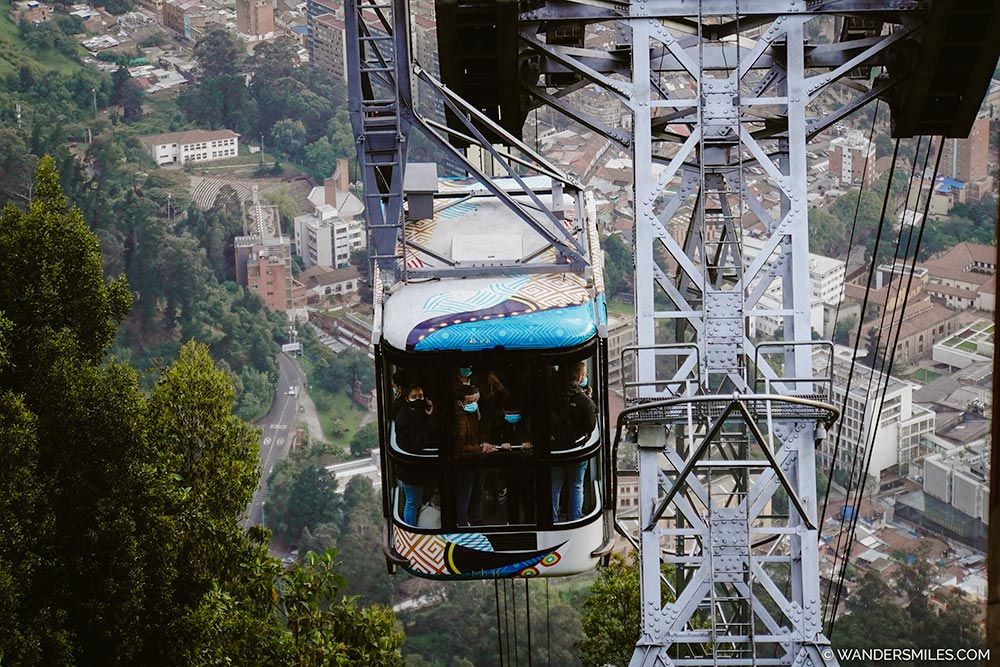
{"points": [[469, 440], [415, 434], [574, 419], [399, 384], [491, 393], [513, 434]]}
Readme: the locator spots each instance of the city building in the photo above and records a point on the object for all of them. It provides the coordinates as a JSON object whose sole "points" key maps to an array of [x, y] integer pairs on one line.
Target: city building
{"points": [[954, 501], [848, 155], [335, 228], [187, 18], [826, 282], [31, 11], [325, 281], [315, 9], [267, 268], [903, 426], [973, 344], [967, 159], [326, 41], [155, 6], [191, 146], [621, 334], [964, 277], [255, 19], [263, 261]]}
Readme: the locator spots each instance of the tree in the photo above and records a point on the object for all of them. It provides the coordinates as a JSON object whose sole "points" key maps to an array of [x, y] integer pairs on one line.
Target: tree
{"points": [[289, 137], [218, 54], [617, 265], [347, 371], [119, 511], [361, 536], [312, 500], [331, 629], [365, 440], [611, 617], [130, 98]]}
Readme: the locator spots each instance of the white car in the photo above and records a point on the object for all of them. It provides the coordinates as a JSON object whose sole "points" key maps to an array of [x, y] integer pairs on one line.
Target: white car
{"points": [[291, 391]]}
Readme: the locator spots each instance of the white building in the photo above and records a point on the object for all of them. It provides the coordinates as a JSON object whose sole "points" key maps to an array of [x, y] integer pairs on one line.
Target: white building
{"points": [[968, 346], [902, 427], [848, 155], [961, 478], [191, 146], [826, 281], [327, 236]]}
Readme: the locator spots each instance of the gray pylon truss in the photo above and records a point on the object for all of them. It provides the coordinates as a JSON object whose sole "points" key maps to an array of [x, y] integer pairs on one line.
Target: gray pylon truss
{"points": [[382, 79], [718, 93]]}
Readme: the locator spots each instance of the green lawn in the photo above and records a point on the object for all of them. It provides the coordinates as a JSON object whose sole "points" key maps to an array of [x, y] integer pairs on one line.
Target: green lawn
{"points": [[967, 346], [925, 376], [336, 408], [332, 407]]}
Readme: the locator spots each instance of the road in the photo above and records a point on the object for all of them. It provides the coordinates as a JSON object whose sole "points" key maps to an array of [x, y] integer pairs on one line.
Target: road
{"points": [[278, 429]]}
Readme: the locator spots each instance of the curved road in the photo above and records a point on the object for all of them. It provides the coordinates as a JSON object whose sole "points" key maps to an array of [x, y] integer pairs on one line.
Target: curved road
{"points": [[278, 430]]}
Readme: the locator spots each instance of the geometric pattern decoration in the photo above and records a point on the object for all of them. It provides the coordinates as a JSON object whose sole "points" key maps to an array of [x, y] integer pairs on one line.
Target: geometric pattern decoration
{"points": [[555, 328], [518, 312], [482, 299], [468, 556]]}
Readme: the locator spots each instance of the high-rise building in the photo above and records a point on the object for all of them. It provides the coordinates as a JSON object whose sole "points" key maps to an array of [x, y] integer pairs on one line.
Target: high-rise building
{"points": [[315, 9], [255, 19], [896, 439], [848, 155], [327, 49], [967, 160]]}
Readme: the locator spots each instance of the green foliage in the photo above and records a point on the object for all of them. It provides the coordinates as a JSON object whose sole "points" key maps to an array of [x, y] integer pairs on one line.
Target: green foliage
{"points": [[361, 538], [618, 266], [289, 138], [220, 99], [119, 512], [300, 109], [611, 617], [972, 223], [347, 370], [52, 35], [331, 629], [61, 276], [365, 440]]}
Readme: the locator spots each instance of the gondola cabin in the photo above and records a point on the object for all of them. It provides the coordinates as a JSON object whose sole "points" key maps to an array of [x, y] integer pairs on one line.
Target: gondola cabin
{"points": [[492, 396]]}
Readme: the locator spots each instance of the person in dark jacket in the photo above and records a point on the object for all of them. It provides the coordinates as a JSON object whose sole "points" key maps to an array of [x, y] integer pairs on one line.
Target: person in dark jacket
{"points": [[469, 441], [415, 434], [513, 435], [575, 417]]}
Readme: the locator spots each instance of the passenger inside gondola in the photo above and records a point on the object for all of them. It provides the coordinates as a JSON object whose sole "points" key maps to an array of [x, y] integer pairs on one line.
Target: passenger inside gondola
{"points": [[416, 433], [574, 416], [470, 440], [514, 440]]}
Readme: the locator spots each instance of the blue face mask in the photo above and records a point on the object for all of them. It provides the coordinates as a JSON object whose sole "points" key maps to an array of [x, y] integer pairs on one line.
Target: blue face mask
{"points": [[512, 419], [585, 381], [470, 407], [465, 372]]}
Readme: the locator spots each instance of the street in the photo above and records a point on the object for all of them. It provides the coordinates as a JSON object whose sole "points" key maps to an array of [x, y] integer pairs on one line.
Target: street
{"points": [[278, 429]]}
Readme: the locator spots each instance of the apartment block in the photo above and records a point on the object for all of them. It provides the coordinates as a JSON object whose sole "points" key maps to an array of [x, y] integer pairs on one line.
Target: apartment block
{"points": [[848, 155]]}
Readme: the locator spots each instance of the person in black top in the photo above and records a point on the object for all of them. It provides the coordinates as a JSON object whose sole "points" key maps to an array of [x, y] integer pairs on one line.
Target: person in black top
{"points": [[399, 385], [415, 434], [575, 417], [513, 435]]}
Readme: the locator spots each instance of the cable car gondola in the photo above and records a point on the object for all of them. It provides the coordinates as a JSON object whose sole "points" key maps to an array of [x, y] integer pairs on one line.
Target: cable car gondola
{"points": [[492, 396]]}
